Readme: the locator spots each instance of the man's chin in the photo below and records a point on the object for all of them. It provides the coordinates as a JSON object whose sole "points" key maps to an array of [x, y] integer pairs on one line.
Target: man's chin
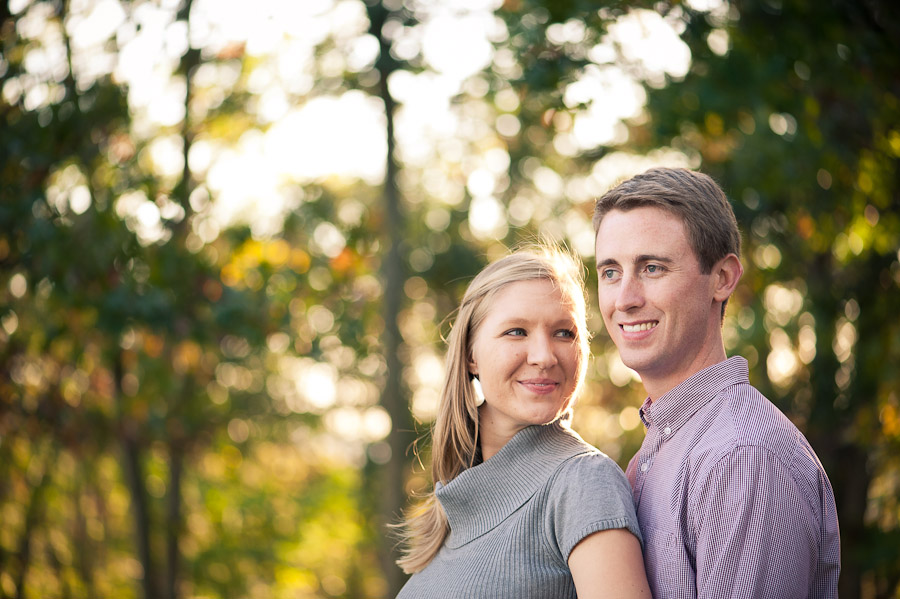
{"points": [[636, 361]]}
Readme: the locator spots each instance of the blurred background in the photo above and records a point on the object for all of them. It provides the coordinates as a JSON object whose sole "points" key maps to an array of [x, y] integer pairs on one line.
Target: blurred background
{"points": [[232, 235]]}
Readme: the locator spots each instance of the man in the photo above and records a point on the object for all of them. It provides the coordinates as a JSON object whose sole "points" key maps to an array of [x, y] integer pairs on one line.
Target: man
{"points": [[731, 498]]}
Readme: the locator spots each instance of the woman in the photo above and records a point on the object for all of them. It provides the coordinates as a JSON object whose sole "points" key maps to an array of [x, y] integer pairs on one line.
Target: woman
{"points": [[522, 506]]}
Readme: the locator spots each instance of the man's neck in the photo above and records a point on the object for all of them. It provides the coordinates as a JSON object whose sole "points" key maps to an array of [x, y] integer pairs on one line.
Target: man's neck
{"points": [[657, 387]]}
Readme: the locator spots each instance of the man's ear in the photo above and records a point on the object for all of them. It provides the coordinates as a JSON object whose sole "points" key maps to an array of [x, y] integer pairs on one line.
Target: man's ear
{"points": [[726, 274]]}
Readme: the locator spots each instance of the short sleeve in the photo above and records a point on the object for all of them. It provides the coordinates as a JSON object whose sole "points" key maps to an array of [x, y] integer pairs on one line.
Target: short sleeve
{"points": [[753, 517], [587, 494]]}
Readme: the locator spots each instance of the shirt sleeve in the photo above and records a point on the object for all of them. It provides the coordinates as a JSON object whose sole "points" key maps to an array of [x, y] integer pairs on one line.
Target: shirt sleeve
{"points": [[588, 493], [755, 530]]}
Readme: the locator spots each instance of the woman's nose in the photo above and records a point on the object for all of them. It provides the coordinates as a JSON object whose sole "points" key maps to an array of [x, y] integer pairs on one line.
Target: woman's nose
{"points": [[540, 351]]}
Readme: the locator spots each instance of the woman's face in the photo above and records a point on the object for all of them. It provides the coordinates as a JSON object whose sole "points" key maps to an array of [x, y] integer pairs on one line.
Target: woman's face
{"points": [[526, 353]]}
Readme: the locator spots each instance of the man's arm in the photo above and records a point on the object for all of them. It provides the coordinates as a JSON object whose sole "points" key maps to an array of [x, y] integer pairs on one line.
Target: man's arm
{"points": [[755, 529]]}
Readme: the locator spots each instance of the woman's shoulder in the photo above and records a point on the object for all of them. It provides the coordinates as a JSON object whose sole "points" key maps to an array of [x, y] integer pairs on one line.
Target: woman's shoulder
{"points": [[582, 453], [584, 462], [592, 462], [587, 493]]}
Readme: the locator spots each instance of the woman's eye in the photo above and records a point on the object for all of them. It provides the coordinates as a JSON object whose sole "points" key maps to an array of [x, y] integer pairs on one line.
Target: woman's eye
{"points": [[516, 332], [568, 334]]}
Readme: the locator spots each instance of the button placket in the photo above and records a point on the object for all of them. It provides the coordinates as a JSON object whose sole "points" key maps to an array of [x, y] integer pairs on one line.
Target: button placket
{"points": [[646, 456]]}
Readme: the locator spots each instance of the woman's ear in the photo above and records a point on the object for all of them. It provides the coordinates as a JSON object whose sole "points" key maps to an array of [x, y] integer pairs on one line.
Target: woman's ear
{"points": [[726, 274], [472, 365]]}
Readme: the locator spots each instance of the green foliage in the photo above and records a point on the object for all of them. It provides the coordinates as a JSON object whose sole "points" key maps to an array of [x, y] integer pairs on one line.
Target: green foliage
{"points": [[133, 409]]}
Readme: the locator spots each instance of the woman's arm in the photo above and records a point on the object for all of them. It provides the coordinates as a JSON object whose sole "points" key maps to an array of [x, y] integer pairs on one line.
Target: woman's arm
{"points": [[608, 565]]}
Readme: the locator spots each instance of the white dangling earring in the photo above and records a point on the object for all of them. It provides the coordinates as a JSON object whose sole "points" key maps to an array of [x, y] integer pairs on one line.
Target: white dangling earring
{"points": [[479, 392]]}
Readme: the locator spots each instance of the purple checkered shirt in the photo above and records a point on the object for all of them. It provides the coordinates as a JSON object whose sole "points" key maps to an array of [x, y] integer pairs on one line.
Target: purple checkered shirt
{"points": [[731, 499]]}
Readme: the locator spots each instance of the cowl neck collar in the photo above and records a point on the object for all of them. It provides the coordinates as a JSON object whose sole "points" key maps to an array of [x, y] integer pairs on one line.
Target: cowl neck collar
{"points": [[483, 496]]}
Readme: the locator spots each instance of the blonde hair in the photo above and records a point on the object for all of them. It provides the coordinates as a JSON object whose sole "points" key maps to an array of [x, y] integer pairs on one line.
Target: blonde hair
{"points": [[455, 431]]}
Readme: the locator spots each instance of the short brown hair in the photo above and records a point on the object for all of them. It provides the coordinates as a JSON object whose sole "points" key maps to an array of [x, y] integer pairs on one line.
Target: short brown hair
{"points": [[692, 196]]}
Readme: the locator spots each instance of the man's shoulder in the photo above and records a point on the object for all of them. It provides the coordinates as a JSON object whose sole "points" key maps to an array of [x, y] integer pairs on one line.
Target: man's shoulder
{"points": [[755, 419], [748, 427], [742, 417]]}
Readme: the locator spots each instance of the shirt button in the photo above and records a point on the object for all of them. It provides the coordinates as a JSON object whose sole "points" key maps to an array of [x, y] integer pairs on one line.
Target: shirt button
{"points": [[667, 431], [644, 466]]}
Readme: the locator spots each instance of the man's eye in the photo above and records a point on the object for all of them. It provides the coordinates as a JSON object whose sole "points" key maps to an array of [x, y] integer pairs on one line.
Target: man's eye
{"points": [[609, 273], [654, 268]]}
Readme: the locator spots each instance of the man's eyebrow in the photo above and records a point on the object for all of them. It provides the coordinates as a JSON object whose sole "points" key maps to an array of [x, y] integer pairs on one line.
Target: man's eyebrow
{"points": [[653, 258], [637, 260], [607, 262]]}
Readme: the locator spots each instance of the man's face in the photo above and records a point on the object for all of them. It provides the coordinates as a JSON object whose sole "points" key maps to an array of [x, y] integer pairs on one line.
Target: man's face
{"points": [[658, 307]]}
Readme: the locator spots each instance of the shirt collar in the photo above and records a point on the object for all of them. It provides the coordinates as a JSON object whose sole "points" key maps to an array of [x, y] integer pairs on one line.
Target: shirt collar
{"points": [[677, 406], [483, 496]]}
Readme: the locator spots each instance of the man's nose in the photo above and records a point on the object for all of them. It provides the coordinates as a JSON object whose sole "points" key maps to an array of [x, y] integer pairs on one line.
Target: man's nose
{"points": [[631, 294]]}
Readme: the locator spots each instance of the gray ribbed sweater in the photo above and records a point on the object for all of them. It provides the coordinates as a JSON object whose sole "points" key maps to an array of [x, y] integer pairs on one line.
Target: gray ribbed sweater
{"points": [[515, 518]]}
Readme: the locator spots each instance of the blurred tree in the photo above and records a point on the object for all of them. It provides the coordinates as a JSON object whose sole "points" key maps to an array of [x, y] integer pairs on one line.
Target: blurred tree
{"points": [[394, 394], [55, 285], [117, 325]]}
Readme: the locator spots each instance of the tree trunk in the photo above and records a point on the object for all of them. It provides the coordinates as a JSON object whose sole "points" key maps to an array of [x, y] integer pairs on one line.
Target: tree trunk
{"points": [[5, 13], [59, 570], [860, 424], [836, 429], [182, 193], [393, 397], [84, 558], [173, 520], [134, 478], [5, 461], [32, 517], [189, 63]]}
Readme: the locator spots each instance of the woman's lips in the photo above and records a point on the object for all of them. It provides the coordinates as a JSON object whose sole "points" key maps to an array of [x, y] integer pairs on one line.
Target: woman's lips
{"points": [[540, 386]]}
